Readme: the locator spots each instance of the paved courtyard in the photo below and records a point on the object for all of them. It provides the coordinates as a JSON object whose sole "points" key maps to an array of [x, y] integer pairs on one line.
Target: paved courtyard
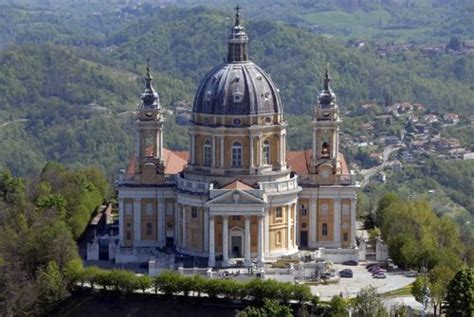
{"points": [[351, 286]]}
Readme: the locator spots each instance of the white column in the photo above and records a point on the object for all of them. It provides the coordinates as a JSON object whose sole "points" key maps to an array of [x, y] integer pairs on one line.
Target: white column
{"points": [[183, 226], [251, 152], [136, 220], [121, 221], [161, 222], [225, 240], [213, 151], [337, 221], [206, 230], [222, 151], [247, 261], [353, 221], [260, 253], [295, 225], [212, 252], [313, 223], [267, 231], [289, 209]]}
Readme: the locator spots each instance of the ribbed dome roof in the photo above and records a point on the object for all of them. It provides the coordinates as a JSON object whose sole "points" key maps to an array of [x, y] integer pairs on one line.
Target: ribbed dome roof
{"points": [[240, 88], [237, 87]]}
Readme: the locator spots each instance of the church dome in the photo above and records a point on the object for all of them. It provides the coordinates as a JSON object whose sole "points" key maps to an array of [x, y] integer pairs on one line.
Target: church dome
{"points": [[240, 88], [237, 87]]}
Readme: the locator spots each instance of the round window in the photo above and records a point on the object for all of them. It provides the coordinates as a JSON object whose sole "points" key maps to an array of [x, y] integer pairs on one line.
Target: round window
{"points": [[237, 122]]}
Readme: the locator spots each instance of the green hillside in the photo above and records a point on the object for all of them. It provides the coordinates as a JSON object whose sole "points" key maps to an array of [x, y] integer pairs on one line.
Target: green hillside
{"points": [[72, 95]]}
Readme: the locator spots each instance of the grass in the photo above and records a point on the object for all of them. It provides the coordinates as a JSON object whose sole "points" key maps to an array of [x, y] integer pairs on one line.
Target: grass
{"points": [[404, 291]]}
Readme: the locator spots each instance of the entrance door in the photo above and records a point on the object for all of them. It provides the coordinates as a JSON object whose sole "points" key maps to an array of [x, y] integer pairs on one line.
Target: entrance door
{"points": [[236, 246], [303, 239]]}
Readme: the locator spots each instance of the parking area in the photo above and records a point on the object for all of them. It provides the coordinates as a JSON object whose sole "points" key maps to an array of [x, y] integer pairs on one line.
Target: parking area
{"points": [[349, 287]]}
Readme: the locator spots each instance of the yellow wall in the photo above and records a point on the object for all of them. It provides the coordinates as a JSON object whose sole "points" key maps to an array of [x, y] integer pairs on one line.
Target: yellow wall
{"points": [[346, 218], [194, 229], [328, 219], [128, 224], [148, 218]]}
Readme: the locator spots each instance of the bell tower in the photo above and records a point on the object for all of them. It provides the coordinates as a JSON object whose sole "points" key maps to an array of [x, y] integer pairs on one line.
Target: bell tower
{"points": [[325, 127], [149, 127]]}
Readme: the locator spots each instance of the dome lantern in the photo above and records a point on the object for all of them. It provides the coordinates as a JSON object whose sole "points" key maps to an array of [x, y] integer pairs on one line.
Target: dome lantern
{"points": [[238, 41]]}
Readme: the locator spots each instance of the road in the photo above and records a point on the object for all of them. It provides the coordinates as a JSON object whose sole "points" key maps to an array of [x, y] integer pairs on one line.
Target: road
{"points": [[12, 121], [368, 173]]}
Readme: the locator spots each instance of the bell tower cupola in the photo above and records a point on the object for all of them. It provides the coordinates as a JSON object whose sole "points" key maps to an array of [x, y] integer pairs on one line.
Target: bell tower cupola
{"points": [[325, 127], [149, 127]]}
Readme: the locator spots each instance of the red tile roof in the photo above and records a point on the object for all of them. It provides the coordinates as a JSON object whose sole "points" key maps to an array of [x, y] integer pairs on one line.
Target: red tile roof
{"points": [[175, 161]]}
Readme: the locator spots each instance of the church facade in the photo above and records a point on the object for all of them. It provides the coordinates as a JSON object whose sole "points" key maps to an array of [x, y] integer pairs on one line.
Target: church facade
{"points": [[237, 194]]}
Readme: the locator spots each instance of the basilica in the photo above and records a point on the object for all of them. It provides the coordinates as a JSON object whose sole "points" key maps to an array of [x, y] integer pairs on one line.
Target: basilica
{"points": [[238, 194]]}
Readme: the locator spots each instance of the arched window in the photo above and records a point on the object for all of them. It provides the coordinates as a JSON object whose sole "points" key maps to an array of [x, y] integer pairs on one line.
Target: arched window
{"points": [[266, 152], [325, 229], [207, 153], [236, 154], [149, 229]]}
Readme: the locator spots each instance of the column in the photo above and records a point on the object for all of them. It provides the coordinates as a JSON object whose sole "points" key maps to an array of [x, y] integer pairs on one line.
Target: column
{"points": [[136, 220], [222, 152], [176, 224], [260, 253], [205, 234], [192, 147], [314, 144], [161, 222], [259, 151], [267, 231], [337, 221], [183, 226], [353, 221], [225, 240], [213, 151], [161, 143], [121, 221], [283, 148], [278, 144], [247, 261], [289, 208], [251, 152], [212, 252], [295, 224], [313, 223]]}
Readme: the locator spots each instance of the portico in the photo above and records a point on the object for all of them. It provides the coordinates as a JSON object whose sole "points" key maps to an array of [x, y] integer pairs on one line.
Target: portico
{"points": [[236, 210]]}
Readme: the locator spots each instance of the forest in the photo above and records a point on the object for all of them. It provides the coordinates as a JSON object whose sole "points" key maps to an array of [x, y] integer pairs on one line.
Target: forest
{"points": [[66, 83]]}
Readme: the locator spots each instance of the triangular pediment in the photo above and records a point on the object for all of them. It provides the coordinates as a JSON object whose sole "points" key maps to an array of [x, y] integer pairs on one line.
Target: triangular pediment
{"points": [[236, 197]]}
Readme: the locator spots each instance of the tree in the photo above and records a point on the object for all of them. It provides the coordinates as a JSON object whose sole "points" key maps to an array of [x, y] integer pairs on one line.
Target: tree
{"points": [[271, 308], [460, 296], [454, 43], [382, 205], [369, 303], [439, 278], [338, 306], [51, 287], [419, 288]]}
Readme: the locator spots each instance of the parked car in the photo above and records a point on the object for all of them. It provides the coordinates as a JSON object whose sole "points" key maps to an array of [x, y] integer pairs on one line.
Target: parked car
{"points": [[351, 263], [374, 268], [411, 274], [379, 275], [378, 272], [368, 266], [346, 273]]}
